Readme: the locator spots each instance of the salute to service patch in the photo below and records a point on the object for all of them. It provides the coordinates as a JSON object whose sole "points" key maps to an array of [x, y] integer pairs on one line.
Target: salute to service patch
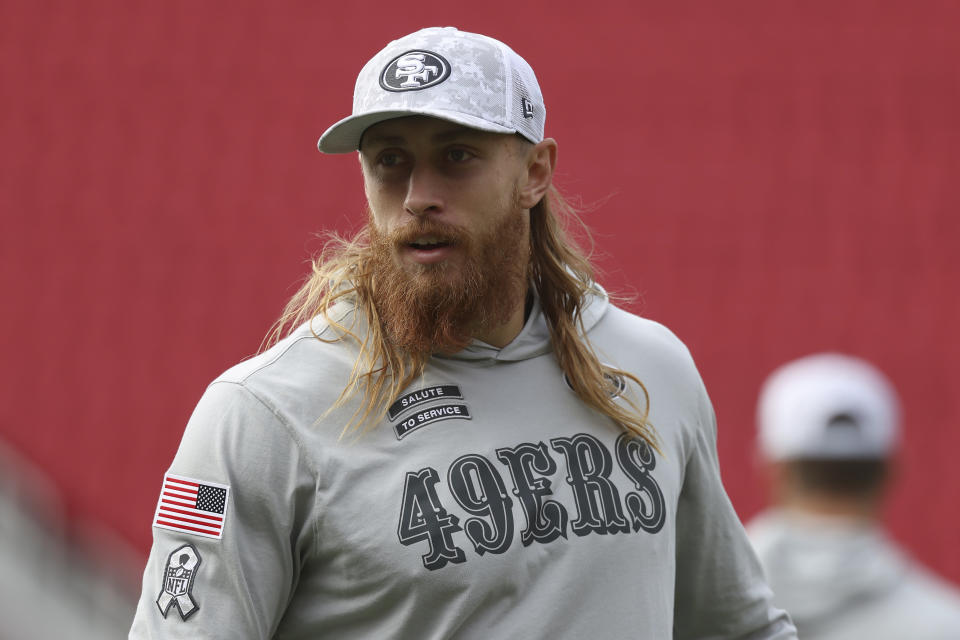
{"points": [[192, 506]]}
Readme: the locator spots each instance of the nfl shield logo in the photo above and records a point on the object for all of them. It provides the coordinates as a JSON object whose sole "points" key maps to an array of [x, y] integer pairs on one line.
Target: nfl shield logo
{"points": [[178, 579]]}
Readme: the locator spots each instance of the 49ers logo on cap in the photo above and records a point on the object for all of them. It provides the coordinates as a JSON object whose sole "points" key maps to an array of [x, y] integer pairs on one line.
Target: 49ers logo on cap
{"points": [[414, 70]]}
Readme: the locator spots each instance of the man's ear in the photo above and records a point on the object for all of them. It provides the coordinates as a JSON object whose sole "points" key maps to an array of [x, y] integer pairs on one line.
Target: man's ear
{"points": [[540, 162]]}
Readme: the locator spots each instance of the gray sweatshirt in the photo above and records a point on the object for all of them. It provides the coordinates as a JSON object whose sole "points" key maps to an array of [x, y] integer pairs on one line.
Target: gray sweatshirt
{"points": [[844, 580], [489, 503]]}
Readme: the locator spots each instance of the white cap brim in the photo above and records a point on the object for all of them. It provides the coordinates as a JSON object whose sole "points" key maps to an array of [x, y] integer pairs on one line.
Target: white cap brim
{"points": [[345, 136]]}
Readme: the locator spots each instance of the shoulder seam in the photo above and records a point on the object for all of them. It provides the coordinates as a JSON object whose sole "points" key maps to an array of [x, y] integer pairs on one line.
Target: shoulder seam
{"points": [[284, 422], [282, 352], [312, 464], [242, 381]]}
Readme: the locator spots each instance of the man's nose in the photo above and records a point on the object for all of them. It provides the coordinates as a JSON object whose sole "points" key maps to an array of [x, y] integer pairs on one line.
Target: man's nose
{"points": [[424, 192]]}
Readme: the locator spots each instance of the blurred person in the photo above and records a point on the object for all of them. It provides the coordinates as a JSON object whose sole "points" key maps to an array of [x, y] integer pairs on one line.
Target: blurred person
{"points": [[455, 432], [59, 579], [829, 425]]}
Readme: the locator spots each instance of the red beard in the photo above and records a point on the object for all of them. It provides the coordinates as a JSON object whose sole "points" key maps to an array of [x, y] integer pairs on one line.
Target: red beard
{"points": [[439, 308]]}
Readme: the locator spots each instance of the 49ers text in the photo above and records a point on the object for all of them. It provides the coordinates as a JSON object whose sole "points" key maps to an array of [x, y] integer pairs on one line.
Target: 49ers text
{"points": [[479, 489]]}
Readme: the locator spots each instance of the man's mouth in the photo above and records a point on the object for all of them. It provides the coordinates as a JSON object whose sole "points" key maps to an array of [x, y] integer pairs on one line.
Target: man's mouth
{"points": [[429, 248], [426, 243]]}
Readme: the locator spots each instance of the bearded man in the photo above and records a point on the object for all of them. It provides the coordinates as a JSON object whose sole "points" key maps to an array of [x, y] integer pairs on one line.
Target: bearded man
{"points": [[454, 433]]}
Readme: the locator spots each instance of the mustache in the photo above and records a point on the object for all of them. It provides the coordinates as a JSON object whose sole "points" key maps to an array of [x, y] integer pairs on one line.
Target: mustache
{"points": [[444, 231]]}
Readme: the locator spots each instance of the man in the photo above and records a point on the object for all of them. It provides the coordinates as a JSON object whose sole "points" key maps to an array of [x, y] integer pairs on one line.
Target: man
{"points": [[828, 428], [458, 436]]}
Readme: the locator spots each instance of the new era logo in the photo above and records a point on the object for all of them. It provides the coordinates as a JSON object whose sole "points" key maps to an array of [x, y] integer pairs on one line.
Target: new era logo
{"points": [[527, 107], [192, 506]]}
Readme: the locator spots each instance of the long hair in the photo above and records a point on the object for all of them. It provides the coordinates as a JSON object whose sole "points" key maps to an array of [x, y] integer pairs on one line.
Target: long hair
{"points": [[559, 270]]}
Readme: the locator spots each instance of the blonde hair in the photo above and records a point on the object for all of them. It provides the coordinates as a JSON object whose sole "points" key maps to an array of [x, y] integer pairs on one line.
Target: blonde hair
{"points": [[559, 270]]}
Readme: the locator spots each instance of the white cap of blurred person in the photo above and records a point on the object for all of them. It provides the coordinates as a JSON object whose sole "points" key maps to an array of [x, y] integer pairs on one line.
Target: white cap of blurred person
{"points": [[829, 426]]}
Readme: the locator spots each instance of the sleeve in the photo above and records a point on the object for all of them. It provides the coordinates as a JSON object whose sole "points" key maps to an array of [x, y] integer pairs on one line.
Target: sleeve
{"points": [[230, 578], [721, 592]]}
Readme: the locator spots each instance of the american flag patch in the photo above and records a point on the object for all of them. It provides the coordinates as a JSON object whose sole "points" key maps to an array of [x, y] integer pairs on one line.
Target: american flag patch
{"points": [[193, 506]]}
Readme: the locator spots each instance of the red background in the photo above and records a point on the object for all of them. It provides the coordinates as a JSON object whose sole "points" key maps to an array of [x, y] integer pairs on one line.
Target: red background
{"points": [[772, 179]]}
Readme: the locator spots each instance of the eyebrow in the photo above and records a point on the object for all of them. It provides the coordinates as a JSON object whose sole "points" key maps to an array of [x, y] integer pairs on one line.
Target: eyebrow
{"points": [[443, 136]]}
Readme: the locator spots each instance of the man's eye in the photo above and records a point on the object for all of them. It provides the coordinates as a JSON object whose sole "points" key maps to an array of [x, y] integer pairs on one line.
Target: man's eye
{"points": [[389, 159], [458, 155]]}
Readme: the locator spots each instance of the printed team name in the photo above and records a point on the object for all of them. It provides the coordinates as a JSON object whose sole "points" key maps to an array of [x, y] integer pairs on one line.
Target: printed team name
{"points": [[412, 399], [479, 487], [425, 417]]}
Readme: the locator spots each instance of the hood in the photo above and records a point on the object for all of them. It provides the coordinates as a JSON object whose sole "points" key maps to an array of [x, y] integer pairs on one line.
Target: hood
{"points": [[534, 339], [819, 567]]}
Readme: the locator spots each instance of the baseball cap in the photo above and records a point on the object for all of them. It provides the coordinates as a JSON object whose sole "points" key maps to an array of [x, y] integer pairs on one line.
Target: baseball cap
{"points": [[828, 406], [467, 78]]}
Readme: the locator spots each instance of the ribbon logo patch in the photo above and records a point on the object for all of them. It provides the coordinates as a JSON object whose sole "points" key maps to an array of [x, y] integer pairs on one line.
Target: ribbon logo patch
{"points": [[178, 578]]}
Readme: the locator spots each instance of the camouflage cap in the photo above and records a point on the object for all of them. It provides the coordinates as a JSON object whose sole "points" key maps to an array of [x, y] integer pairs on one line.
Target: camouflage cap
{"points": [[462, 77]]}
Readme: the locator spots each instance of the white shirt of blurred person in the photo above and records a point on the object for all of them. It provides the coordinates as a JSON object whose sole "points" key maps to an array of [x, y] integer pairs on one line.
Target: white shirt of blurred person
{"points": [[828, 430]]}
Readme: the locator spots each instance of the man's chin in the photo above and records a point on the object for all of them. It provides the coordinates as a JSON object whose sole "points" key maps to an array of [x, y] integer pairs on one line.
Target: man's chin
{"points": [[434, 275]]}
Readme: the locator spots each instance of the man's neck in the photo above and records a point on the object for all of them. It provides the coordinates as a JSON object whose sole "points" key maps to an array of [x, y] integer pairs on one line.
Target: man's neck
{"points": [[504, 334], [861, 510]]}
